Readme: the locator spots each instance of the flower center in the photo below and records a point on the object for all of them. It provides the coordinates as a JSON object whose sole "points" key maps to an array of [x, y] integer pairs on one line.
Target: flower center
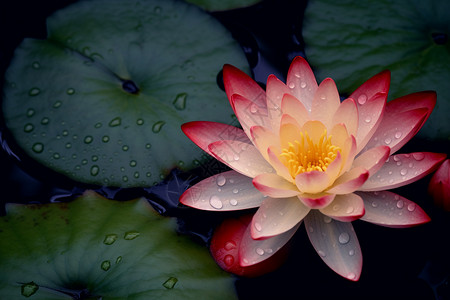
{"points": [[305, 155]]}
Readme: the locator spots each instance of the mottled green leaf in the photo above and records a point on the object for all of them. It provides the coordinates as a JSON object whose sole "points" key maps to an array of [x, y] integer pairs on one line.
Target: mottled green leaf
{"points": [[102, 248]]}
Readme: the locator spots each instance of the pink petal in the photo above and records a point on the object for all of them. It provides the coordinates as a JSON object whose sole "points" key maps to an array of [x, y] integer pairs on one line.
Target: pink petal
{"points": [[425, 100], [334, 168], [203, 133], [345, 208], [275, 89], [263, 138], [347, 114], [294, 108], [378, 84], [237, 82], [249, 114], [439, 186], [373, 159], [325, 102], [276, 216], [275, 186], [254, 251], [397, 129], [312, 182], [349, 181], [242, 157], [301, 81], [336, 243], [391, 210], [402, 169], [275, 162], [226, 191], [316, 201]]}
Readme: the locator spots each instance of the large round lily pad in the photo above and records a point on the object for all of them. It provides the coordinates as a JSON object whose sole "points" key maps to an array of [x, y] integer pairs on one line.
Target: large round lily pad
{"points": [[351, 41], [103, 249], [101, 100]]}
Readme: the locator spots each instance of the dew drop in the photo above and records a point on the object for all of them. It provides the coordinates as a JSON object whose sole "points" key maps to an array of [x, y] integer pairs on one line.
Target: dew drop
{"points": [[110, 239], [57, 104], [398, 135], [119, 259], [70, 91], [259, 251], [133, 163], [233, 202], [258, 226], [230, 246], [411, 207], [125, 148], [34, 92], [374, 204], [115, 122], [418, 156], [388, 141], [221, 180], [291, 85], [140, 122], [106, 264], [180, 101], [95, 170], [170, 283], [368, 119], [158, 126], [351, 276], [29, 289], [311, 229], [56, 156], [131, 235], [68, 145], [28, 127], [98, 125], [350, 209], [125, 178], [228, 260], [88, 139], [327, 219], [351, 252], [136, 175], [38, 148], [344, 238], [403, 172], [321, 253], [30, 112], [400, 204], [36, 65], [157, 10], [215, 202], [303, 84], [362, 99], [148, 146]]}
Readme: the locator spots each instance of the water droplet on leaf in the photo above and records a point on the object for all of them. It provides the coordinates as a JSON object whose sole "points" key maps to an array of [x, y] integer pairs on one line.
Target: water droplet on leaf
{"points": [[180, 101], [131, 235], [70, 91], [115, 122], [34, 92], [29, 289], [170, 283], [158, 126], [106, 264], [38, 148]]}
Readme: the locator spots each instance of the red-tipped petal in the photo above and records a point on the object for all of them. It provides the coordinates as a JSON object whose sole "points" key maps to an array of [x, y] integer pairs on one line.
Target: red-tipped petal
{"points": [[301, 81], [203, 133], [439, 186], [391, 210], [349, 181], [345, 208], [275, 186]]}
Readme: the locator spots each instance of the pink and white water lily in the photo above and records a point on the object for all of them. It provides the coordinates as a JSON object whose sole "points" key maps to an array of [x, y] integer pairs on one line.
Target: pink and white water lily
{"points": [[305, 156]]}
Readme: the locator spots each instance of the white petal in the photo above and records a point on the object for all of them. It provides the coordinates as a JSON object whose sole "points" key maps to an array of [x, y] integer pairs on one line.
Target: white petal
{"points": [[276, 216], [226, 191], [336, 243]]}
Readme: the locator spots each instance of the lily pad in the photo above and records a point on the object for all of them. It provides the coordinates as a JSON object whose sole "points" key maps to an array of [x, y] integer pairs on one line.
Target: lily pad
{"points": [[220, 5], [351, 41], [101, 100], [103, 249]]}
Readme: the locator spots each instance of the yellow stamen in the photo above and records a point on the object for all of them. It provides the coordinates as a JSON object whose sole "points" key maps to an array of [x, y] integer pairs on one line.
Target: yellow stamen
{"points": [[305, 156]]}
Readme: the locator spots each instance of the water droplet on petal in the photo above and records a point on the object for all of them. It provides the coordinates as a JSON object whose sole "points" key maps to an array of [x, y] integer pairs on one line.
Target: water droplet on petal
{"points": [[418, 156], [215, 202], [368, 119], [351, 252], [351, 276], [57, 104], [362, 99], [291, 85], [400, 204], [259, 251], [344, 238], [321, 253], [326, 219], [230, 246], [233, 202], [221, 180], [258, 226], [398, 135], [303, 85], [388, 141], [228, 260], [403, 172], [350, 209], [411, 207], [374, 204]]}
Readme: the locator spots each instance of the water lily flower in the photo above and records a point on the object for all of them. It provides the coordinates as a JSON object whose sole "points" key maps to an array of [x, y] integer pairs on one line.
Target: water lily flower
{"points": [[302, 155], [439, 186]]}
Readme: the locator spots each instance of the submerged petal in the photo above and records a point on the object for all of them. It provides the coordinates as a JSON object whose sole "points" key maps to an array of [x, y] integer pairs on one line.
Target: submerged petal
{"points": [[203, 133], [275, 186], [276, 216], [242, 157], [226, 191], [254, 251], [391, 210], [345, 208], [336, 243], [402, 169]]}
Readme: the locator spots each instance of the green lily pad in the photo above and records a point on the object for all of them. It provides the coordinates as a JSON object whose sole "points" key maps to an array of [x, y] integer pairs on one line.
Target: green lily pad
{"points": [[103, 249], [219, 5], [101, 100], [351, 41]]}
